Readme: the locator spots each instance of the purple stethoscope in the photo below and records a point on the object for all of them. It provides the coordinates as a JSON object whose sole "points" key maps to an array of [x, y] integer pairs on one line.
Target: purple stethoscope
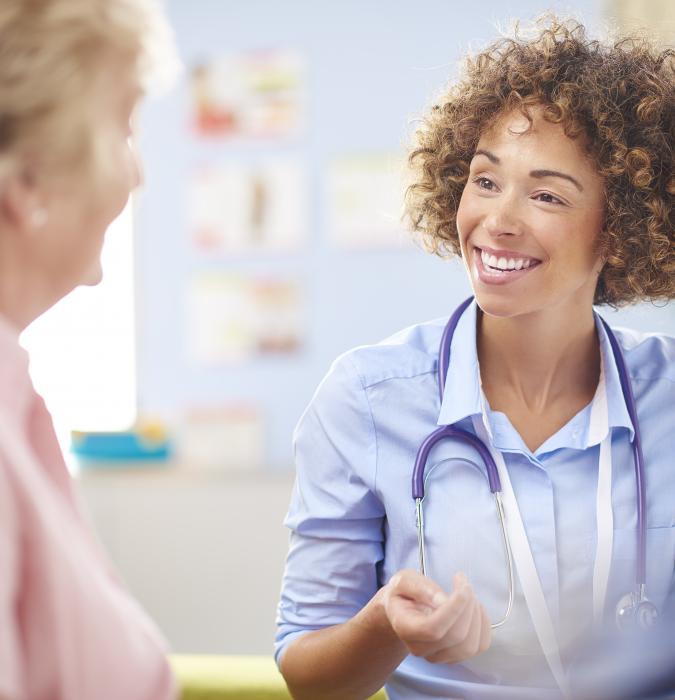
{"points": [[633, 609]]}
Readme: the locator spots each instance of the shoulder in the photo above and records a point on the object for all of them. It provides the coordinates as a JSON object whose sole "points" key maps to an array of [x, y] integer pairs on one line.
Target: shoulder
{"points": [[649, 356], [393, 365], [409, 353]]}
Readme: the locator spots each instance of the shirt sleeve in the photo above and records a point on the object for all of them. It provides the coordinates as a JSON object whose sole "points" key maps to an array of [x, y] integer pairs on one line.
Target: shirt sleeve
{"points": [[9, 571], [335, 517]]}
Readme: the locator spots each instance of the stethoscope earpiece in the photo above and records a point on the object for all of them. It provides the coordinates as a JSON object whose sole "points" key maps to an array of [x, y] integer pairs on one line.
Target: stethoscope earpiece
{"points": [[635, 612]]}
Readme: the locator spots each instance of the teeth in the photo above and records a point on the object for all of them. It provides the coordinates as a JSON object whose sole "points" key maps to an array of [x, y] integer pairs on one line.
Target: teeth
{"points": [[504, 263]]}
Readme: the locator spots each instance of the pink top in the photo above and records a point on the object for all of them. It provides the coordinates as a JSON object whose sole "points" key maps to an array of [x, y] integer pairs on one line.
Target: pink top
{"points": [[68, 628]]}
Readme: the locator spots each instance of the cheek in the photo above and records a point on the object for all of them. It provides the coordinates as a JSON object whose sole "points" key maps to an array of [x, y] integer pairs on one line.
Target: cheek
{"points": [[115, 181], [464, 218], [577, 259], [587, 246]]}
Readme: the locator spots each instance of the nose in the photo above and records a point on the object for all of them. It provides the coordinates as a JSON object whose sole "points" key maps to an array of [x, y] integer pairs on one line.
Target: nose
{"points": [[503, 218]]}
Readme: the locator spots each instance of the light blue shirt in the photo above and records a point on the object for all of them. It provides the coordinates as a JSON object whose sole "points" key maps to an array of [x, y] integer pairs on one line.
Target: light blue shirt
{"points": [[352, 516]]}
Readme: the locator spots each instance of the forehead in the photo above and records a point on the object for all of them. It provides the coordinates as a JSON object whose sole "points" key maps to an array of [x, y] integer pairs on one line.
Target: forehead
{"points": [[512, 132], [118, 80]]}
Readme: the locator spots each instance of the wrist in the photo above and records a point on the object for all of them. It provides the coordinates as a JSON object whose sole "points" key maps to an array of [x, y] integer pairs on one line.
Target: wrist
{"points": [[374, 618]]}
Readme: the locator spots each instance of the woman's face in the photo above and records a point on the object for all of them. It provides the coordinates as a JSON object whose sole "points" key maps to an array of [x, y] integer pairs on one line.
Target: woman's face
{"points": [[81, 205], [529, 219]]}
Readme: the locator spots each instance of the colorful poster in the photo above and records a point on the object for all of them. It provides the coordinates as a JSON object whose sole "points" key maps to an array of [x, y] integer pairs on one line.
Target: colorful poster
{"points": [[365, 202], [222, 437], [233, 317], [244, 208], [252, 94]]}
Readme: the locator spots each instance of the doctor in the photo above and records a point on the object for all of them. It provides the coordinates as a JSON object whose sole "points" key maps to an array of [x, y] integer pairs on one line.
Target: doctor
{"points": [[548, 168]]}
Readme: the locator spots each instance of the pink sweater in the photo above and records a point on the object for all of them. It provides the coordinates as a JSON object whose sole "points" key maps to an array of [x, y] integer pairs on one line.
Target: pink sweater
{"points": [[68, 628]]}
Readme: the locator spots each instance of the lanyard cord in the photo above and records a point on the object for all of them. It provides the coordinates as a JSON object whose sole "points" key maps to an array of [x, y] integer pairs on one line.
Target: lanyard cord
{"points": [[522, 552]]}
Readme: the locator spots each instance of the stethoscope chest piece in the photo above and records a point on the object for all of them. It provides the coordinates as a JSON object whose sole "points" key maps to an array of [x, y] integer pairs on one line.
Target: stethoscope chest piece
{"points": [[635, 611]]}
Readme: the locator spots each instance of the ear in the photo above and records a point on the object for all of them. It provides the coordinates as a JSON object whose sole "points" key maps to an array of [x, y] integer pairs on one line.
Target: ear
{"points": [[21, 202]]}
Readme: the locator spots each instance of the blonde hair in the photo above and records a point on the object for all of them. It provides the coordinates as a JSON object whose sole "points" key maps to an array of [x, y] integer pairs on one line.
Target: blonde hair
{"points": [[53, 52]]}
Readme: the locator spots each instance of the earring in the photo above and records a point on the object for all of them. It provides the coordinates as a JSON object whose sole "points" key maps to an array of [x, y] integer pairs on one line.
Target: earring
{"points": [[38, 217]]}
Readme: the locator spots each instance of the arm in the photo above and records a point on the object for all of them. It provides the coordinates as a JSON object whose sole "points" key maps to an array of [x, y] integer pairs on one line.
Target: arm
{"points": [[411, 614], [340, 633], [347, 661]]}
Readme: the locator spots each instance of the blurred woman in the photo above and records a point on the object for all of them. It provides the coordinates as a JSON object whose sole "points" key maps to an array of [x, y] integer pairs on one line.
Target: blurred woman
{"points": [[548, 167], [71, 74]]}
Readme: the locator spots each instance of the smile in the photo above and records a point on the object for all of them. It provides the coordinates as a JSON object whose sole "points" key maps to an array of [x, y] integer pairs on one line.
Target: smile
{"points": [[505, 262], [500, 267]]}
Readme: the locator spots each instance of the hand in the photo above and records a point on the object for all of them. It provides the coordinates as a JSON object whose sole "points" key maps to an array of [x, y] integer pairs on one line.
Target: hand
{"points": [[441, 628]]}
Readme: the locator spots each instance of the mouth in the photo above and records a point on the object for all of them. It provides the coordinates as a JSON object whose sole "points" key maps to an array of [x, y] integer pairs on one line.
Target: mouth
{"points": [[501, 267]]}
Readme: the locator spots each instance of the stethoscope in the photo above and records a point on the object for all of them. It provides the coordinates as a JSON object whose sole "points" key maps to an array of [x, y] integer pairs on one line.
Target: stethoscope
{"points": [[633, 609]]}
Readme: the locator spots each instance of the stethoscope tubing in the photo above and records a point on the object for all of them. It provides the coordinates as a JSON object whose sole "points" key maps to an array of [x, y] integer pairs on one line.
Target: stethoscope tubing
{"points": [[454, 432], [638, 457]]}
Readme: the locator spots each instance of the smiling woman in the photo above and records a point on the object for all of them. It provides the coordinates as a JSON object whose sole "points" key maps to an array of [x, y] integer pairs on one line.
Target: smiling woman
{"points": [[549, 168], [613, 102], [545, 219]]}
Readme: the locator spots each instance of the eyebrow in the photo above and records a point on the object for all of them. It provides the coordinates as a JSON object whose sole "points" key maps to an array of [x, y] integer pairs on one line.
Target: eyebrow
{"points": [[533, 173]]}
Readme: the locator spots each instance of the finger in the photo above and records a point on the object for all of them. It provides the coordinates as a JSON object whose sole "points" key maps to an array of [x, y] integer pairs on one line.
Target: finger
{"points": [[485, 632], [413, 585], [459, 580], [466, 613], [462, 640], [437, 630], [471, 642], [452, 610], [422, 625], [409, 599]]}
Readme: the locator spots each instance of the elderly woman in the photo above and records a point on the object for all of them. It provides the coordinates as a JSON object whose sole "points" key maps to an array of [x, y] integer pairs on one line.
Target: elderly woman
{"points": [[71, 73], [549, 169]]}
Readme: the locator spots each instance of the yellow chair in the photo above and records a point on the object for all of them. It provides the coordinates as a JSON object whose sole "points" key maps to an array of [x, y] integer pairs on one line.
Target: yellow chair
{"points": [[232, 678]]}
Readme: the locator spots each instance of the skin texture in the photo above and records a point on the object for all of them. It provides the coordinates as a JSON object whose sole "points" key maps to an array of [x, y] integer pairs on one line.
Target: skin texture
{"points": [[537, 345], [45, 256]]}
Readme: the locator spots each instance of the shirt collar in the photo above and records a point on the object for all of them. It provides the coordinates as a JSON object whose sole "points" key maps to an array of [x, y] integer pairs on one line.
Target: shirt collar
{"points": [[616, 403], [463, 393]]}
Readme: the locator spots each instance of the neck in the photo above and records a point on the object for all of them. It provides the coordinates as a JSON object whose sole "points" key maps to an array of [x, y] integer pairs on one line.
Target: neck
{"points": [[24, 294], [538, 360]]}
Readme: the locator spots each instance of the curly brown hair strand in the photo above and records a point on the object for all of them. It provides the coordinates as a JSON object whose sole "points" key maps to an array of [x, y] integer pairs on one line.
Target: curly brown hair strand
{"points": [[619, 99]]}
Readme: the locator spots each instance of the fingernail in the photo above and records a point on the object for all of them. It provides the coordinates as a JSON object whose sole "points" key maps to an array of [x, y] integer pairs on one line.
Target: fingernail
{"points": [[438, 599]]}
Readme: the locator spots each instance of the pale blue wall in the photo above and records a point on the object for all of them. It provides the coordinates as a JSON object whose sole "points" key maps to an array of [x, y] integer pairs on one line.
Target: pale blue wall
{"points": [[372, 66]]}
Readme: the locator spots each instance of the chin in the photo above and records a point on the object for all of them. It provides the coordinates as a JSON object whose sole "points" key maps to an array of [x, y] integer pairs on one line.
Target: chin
{"points": [[504, 305], [93, 276]]}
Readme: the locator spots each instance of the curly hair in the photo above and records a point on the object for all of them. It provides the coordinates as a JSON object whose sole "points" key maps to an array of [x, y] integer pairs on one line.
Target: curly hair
{"points": [[619, 98]]}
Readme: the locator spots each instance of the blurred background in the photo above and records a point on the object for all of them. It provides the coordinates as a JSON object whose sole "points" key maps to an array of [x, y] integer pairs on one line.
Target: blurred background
{"points": [[266, 240]]}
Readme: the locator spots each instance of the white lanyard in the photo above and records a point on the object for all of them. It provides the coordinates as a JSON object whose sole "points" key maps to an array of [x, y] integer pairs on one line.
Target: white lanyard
{"points": [[604, 515], [522, 553]]}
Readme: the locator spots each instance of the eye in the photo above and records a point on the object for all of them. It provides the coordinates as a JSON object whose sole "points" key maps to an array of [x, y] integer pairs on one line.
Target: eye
{"points": [[548, 198], [484, 183]]}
